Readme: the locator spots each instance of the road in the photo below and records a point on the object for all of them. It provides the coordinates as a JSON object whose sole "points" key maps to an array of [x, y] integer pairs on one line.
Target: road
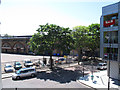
{"points": [[17, 57], [58, 78], [39, 83]]}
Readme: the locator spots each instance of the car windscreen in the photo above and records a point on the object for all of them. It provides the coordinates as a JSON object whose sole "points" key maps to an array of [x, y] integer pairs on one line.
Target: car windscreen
{"points": [[18, 64], [8, 66], [100, 64], [18, 72], [28, 62]]}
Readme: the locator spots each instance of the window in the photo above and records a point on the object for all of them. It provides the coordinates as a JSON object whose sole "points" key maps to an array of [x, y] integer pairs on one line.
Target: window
{"points": [[119, 68], [6, 45], [111, 37], [24, 71], [111, 53]]}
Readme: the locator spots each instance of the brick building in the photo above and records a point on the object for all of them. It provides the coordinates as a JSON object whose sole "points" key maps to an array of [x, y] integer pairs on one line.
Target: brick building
{"points": [[16, 44]]}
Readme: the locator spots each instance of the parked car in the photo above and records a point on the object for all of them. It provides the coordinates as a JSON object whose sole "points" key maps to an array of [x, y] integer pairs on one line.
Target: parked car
{"points": [[8, 68], [102, 66], [24, 72], [17, 65], [28, 63], [36, 63], [31, 53], [60, 61], [75, 59]]}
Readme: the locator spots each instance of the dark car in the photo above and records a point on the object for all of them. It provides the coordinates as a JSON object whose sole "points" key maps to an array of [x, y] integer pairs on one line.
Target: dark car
{"points": [[17, 65], [60, 61]]}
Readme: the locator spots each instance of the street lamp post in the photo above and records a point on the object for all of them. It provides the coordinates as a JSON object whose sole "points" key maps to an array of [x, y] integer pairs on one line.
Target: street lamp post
{"points": [[93, 57], [109, 42], [83, 62]]}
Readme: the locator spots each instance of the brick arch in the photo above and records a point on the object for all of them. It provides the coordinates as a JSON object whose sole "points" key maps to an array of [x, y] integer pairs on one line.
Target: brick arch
{"points": [[6, 49], [19, 49], [7, 43], [19, 43]]}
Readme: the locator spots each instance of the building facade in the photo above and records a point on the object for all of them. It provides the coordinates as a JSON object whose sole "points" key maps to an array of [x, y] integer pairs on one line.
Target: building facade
{"points": [[110, 38], [16, 44], [0, 64]]}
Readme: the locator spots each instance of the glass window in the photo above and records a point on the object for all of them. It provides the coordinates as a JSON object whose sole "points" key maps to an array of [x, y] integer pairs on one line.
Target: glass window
{"points": [[111, 37], [111, 53], [119, 68]]}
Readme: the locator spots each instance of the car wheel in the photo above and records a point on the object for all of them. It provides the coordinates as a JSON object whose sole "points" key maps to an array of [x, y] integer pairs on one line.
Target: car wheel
{"points": [[5, 71], [18, 77], [32, 75]]}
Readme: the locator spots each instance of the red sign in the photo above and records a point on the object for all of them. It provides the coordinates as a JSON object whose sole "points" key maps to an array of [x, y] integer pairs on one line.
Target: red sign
{"points": [[108, 23]]}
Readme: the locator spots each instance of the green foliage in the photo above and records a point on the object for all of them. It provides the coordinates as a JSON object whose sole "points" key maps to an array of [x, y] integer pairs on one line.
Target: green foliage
{"points": [[86, 38], [51, 37], [80, 36], [94, 37]]}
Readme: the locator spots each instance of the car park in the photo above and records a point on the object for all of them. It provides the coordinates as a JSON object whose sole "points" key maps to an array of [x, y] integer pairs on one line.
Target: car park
{"points": [[17, 65], [28, 63], [102, 66], [24, 72], [8, 68]]}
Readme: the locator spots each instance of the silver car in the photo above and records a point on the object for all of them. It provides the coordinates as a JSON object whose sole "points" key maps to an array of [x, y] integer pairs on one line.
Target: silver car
{"points": [[8, 68], [24, 72], [28, 63], [102, 66]]}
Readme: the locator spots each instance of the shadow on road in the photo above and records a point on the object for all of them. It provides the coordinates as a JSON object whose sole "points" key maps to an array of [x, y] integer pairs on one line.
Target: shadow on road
{"points": [[60, 75]]}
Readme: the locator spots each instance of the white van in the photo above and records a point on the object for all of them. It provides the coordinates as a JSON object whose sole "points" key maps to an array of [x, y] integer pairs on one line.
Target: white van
{"points": [[102, 66]]}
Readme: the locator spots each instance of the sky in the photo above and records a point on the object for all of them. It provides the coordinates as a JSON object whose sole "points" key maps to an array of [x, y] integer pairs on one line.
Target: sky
{"points": [[23, 17]]}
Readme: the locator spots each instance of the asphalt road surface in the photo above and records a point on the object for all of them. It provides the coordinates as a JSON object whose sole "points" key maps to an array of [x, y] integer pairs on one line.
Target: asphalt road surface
{"points": [[17, 57], [58, 78], [39, 83]]}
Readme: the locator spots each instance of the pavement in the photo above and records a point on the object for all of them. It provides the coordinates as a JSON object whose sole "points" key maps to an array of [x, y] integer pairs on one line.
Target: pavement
{"points": [[99, 80]]}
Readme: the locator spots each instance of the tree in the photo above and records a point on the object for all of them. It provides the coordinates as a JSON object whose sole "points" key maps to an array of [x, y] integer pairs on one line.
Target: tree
{"points": [[80, 35], [6, 35], [94, 38], [51, 37]]}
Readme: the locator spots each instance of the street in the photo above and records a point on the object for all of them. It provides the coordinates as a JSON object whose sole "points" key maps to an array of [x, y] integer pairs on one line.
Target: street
{"points": [[39, 83], [17, 57], [59, 78]]}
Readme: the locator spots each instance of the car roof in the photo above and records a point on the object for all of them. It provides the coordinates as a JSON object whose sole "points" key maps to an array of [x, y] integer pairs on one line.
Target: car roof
{"points": [[8, 64], [27, 59], [27, 68], [102, 63], [17, 62]]}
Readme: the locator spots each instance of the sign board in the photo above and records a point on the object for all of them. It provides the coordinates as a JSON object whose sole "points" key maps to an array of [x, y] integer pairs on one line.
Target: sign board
{"points": [[108, 23], [65, 56]]}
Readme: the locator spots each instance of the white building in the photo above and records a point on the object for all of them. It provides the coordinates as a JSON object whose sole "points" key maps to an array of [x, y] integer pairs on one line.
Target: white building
{"points": [[110, 38]]}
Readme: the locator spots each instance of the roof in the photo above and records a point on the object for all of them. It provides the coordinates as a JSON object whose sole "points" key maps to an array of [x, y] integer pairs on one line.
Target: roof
{"points": [[16, 37]]}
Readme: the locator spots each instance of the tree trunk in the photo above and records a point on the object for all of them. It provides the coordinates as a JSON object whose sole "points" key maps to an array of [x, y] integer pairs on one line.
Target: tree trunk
{"points": [[51, 62], [79, 56]]}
